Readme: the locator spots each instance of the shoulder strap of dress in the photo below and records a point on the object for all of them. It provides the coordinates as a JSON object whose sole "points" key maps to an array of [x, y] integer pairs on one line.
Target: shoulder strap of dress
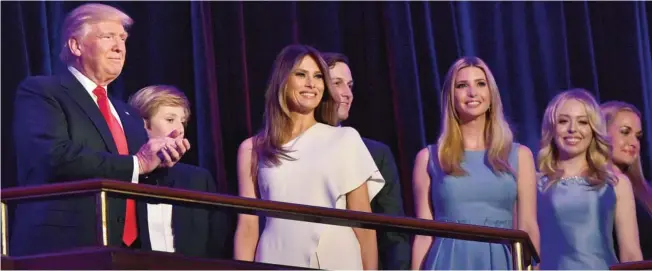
{"points": [[513, 156], [254, 163], [433, 159]]}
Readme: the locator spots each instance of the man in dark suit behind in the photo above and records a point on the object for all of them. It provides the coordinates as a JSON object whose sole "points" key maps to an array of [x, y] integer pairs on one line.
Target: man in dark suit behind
{"points": [[67, 129], [393, 247]]}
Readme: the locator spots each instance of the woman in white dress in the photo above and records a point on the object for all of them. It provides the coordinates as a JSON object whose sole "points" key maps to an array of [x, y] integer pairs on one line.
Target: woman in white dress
{"points": [[300, 156]]}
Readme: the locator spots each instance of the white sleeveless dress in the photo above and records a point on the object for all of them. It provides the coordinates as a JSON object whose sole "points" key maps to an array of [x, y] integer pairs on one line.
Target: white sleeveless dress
{"points": [[331, 162]]}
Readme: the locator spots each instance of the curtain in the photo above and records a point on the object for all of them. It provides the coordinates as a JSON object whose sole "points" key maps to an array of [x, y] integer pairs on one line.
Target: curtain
{"points": [[220, 54]]}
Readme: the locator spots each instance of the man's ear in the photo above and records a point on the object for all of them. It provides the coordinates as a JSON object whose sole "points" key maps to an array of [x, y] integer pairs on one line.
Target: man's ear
{"points": [[74, 46]]}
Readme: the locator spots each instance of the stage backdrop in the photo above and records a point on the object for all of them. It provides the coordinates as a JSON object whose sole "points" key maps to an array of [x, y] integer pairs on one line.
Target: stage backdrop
{"points": [[220, 54]]}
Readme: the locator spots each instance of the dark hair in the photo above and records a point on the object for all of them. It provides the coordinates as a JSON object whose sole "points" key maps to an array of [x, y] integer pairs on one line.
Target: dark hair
{"points": [[332, 58], [277, 125]]}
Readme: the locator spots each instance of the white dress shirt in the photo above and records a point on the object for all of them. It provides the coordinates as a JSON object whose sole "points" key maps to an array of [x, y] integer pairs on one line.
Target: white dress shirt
{"points": [[159, 216]]}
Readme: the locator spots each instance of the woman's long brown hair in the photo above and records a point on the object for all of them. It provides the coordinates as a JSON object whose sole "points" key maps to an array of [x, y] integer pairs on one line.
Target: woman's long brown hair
{"points": [[277, 124]]}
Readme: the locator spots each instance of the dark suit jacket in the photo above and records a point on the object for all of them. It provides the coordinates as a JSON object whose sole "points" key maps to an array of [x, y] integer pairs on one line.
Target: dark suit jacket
{"points": [[198, 232], [644, 221], [394, 251], [61, 136]]}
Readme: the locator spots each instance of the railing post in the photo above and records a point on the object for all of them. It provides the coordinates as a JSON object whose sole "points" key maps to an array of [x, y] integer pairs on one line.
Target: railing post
{"points": [[5, 246], [527, 259], [101, 218], [517, 252]]}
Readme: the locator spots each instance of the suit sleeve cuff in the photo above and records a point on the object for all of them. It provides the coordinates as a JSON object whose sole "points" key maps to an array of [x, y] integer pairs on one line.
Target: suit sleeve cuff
{"points": [[134, 176]]}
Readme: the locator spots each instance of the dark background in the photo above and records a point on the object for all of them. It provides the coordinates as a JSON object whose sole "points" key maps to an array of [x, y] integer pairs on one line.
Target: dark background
{"points": [[220, 54]]}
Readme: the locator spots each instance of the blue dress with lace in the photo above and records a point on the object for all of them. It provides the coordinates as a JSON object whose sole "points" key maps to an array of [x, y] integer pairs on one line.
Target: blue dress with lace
{"points": [[576, 223], [479, 198]]}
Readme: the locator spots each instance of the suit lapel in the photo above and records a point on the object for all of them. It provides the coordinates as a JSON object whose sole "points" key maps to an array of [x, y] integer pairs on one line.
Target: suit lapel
{"points": [[85, 101], [177, 228], [133, 130], [143, 225]]}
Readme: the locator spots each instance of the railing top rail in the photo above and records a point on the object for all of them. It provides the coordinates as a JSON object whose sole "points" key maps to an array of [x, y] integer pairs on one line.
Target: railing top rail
{"points": [[640, 265], [276, 209]]}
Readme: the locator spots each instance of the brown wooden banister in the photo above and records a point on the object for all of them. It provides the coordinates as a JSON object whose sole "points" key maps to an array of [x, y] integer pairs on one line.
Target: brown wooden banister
{"points": [[113, 258], [641, 265], [519, 239]]}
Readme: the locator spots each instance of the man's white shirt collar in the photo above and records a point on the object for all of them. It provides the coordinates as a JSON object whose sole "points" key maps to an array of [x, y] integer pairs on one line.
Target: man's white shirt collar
{"points": [[88, 84]]}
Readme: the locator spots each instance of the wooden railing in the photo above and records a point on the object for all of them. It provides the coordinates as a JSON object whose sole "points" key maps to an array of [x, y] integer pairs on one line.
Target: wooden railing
{"points": [[642, 265], [524, 253]]}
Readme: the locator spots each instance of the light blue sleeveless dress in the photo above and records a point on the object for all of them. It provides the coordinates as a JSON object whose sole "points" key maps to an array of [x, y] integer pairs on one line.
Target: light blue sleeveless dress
{"points": [[576, 224], [479, 198]]}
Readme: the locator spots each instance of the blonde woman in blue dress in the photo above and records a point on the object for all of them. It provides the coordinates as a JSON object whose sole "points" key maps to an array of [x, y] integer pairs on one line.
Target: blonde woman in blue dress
{"points": [[476, 174], [580, 197], [301, 157], [626, 132]]}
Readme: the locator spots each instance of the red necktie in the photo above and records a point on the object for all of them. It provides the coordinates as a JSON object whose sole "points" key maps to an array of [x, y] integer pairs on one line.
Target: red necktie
{"points": [[130, 231]]}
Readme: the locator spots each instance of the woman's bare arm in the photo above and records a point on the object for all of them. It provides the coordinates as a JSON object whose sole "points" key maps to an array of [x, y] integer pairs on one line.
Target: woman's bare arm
{"points": [[246, 234], [358, 200], [422, 206]]}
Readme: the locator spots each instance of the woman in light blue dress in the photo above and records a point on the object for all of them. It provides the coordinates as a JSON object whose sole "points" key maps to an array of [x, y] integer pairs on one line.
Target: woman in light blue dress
{"points": [[475, 175], [580, 198]]}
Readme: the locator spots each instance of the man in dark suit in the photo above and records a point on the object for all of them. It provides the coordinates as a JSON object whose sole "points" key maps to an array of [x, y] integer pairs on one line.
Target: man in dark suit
{"points": [[67, 129], [393, 247]]}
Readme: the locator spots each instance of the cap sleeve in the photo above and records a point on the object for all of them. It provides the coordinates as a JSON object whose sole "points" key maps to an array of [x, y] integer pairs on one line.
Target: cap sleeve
{"points": [[356, 166]]}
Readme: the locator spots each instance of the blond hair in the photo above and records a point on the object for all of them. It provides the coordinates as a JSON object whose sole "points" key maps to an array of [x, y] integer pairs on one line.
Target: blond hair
{"points": [[497, 133], [77, 24], [634, 172], [149, 99], [598, 153]]}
